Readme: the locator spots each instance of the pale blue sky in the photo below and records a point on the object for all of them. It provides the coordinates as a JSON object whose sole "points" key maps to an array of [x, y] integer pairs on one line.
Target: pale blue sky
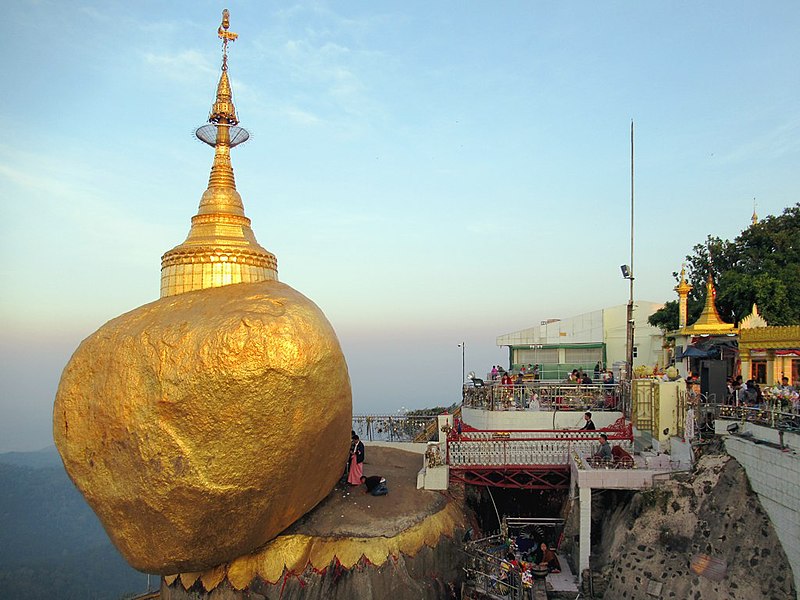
{"points": [[426, 172]]}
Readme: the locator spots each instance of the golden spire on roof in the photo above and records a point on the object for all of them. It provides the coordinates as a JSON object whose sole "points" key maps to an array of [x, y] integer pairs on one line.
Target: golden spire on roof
{"points": [[754, 218], [221, 248], [683, 285], [709, 321]]}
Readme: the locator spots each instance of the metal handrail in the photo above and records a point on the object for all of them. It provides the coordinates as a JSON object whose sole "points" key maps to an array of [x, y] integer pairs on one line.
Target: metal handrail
{"points": [[774, 418], [390, 427], [544, 395]]}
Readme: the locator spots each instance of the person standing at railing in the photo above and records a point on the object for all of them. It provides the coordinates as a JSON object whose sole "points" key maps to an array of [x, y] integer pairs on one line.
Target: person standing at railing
{"points": [[519, 390], [507, 385], [738, 391], [751, 393]]}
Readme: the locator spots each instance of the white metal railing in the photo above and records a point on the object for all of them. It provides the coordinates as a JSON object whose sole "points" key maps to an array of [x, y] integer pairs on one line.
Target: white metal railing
{"points": [[498, 452]]}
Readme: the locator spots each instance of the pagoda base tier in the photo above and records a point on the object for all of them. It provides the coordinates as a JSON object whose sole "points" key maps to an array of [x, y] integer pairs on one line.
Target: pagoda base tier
{"points": [[353, 545]]}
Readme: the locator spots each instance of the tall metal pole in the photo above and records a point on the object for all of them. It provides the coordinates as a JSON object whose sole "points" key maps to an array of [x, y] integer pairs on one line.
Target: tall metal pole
{"points": [[629, 331], [463, 371]]}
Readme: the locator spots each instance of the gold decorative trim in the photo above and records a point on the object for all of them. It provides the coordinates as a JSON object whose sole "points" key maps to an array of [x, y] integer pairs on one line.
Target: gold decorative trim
{"points": [[294, 553], [787, 336], [205, 255], [218, 218]]}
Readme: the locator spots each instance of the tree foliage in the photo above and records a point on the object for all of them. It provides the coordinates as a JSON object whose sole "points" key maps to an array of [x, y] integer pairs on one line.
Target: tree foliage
{"points": [[761, 266]]}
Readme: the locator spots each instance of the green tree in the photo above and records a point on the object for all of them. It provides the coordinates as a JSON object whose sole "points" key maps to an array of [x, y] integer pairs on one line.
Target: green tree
{"points": [[761, 266]]}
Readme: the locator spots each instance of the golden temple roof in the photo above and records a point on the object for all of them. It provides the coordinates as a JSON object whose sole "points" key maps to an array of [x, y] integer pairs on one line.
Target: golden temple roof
{"points": [[221, 248], [709, 321]]}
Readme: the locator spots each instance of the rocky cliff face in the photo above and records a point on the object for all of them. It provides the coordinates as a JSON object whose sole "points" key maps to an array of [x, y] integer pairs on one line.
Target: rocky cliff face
{"points": [[432, 574], [705, 537]]}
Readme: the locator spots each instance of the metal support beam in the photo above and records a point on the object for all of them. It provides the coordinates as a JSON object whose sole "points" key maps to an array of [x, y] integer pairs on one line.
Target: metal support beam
{"points": [[523, 478]]}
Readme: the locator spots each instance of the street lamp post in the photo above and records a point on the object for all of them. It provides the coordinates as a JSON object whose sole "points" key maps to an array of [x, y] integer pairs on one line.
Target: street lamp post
{"points": [[463, 346]]}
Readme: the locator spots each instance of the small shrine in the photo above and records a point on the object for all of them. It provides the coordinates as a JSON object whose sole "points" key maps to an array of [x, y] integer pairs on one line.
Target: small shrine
{"points": [[768, 354], [709, 337]]}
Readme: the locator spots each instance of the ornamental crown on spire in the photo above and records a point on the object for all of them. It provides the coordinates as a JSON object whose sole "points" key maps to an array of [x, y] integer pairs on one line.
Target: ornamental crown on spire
{"points": [[223, 110], [221, 248]]}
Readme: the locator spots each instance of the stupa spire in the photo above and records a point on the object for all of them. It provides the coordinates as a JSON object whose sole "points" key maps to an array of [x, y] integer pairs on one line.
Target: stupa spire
{"points": [[710, 318], [683, 288], [221, 248]]}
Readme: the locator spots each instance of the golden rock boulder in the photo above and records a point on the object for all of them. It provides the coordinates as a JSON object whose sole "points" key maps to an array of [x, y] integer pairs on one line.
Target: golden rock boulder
{"points": [[200, 426]]}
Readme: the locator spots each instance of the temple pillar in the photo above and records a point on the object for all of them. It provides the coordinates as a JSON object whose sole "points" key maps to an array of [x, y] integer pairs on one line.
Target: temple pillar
{"points": [[744, 359], [585, 539], [773, 376]]}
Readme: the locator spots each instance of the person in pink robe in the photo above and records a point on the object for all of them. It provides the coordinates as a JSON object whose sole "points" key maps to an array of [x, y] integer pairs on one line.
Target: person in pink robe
{"points": [[356, 463]]}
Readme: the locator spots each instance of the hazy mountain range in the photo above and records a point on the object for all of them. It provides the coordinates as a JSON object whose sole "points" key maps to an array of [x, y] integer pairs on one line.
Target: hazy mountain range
{"points": [[52, 546]]}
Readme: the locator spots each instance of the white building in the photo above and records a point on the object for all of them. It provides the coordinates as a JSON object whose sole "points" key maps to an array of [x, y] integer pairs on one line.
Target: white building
{"points": [[580, 342]]}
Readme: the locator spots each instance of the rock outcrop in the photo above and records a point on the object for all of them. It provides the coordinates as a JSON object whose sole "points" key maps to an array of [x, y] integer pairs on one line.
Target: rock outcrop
{"points": [[704, 537], [200, 426]]}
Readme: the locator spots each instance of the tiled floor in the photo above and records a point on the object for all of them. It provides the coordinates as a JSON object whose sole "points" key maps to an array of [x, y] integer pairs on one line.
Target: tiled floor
{"points": [[564, 581]]}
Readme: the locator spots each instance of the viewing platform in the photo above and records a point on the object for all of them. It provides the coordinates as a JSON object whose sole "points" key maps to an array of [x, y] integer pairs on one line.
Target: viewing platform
{"points": [[545, 395]]}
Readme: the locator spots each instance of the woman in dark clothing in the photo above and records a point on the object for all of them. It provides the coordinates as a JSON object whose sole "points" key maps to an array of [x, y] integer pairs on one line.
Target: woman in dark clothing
{"points": [[545, 557]]}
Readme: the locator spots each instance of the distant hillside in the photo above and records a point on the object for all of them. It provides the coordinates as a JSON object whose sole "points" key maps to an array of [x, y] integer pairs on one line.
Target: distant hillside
{"points": [[46, 457], [52, 546]]}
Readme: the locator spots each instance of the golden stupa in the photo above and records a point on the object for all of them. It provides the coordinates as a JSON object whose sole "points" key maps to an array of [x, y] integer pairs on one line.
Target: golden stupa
{"points": [[201, 425], [709, 322], [221, 248]]}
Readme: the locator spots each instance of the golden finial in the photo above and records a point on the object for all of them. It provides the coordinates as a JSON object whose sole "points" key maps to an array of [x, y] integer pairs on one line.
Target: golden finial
{"points": [[754, 218], [226, 36]]}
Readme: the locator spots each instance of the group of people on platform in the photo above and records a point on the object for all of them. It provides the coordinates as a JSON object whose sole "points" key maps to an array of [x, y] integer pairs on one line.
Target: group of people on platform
{"points": [[506, 378], [354, 470], [599, 375], [531, 371]]}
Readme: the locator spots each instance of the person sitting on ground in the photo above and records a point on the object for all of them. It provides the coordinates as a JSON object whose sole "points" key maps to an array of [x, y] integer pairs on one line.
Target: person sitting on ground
{"points": [[604, 451], [544, 557], [589, 424], [375, 485]]}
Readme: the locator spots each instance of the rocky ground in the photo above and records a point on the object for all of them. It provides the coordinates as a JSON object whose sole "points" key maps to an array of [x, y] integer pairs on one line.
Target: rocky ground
{"points": [[348, 511], [703, 537]]}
